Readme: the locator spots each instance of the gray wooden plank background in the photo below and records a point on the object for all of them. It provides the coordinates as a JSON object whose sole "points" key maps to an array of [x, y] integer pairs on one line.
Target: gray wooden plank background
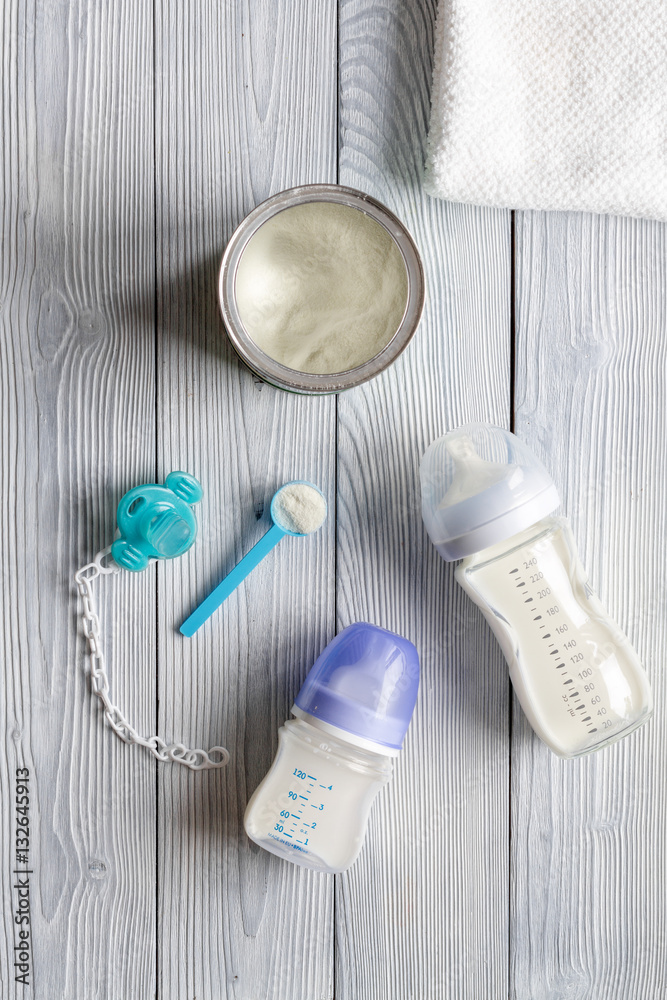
{"points": [[589, 850], [136, 136]]}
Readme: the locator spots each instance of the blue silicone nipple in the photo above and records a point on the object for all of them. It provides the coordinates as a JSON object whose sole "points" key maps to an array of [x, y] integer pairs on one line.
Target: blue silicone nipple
{"points": [[365, 682]]}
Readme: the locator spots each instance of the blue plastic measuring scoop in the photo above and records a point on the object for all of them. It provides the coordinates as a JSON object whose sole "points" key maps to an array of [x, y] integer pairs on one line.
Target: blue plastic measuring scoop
{"points": [[297, 508]]}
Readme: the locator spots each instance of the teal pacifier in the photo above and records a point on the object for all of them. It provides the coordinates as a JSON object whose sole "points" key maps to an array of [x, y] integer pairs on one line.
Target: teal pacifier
{"points": [[156, 522]]}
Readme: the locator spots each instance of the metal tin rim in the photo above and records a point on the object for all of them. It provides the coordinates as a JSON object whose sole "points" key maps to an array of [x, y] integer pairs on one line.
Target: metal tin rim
{"points": [[304, 382]]}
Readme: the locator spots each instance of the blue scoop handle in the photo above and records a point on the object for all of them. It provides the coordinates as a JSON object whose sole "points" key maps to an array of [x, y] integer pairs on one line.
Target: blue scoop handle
{"points": [[232, 580]]}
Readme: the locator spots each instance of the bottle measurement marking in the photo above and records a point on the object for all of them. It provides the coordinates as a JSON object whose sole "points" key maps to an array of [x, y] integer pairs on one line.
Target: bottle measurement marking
{"points": [[298, 828], [581, 707]]}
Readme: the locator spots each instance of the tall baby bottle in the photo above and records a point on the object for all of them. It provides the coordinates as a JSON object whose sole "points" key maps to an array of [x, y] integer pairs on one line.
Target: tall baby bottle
{"points": [[486, 499], [352, 713]]}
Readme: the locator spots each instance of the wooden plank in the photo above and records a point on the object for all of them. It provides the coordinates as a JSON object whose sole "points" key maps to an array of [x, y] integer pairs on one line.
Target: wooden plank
{"points": [[588, 843], [424, 912], [246, 107], [77, 387]]}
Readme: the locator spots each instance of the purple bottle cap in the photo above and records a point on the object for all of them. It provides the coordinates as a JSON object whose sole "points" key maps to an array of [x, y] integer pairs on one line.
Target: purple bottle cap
{"points": [[365, 682]]}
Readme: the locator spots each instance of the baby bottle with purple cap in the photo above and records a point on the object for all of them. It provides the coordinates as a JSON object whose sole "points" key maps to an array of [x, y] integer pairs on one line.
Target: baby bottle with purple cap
{"points": [[352, 713]]}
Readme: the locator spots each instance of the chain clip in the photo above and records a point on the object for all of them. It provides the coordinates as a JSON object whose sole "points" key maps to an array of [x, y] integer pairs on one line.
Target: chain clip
{"points": [[197, 760]]}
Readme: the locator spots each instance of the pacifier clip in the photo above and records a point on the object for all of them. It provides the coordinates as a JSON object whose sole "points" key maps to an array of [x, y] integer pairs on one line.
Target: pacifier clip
{"points": [[154, 522]]}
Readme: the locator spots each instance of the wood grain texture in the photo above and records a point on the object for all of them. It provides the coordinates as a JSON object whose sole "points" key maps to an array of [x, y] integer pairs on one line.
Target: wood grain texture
{"points": [[246, 107], [589, 851], [135, 138], [424, 913], [77, 387]]}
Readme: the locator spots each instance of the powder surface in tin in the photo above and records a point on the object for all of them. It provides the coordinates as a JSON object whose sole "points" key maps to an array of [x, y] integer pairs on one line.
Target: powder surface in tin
{"points": [[299, 507], [321, 287]]}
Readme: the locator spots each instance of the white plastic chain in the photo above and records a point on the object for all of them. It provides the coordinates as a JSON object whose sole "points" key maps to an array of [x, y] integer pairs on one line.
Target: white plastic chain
{"points": [[197, 760]]}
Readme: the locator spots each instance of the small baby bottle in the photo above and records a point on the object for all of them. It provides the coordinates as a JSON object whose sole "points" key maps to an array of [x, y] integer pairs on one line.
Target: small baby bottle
{"points": [[486, 500], [352, 713]]}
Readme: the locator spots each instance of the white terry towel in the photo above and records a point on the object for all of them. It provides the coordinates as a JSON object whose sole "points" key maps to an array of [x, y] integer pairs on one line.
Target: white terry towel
{"points": [[551, 104]]}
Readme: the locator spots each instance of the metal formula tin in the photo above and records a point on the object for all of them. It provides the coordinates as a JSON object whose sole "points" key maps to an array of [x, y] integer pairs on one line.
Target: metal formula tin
{"points": [[305, 382]]}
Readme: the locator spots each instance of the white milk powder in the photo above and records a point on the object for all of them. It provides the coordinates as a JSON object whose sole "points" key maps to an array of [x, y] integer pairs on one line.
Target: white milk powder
{"points": [[321, 287], [299, 507]]}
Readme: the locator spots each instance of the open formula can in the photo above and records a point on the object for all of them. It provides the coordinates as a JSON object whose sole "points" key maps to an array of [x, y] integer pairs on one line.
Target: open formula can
{"points": [[321, 288]]}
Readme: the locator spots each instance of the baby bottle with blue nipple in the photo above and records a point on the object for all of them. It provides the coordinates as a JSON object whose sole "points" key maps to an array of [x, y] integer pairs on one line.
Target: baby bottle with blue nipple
{"points": [[333, 758], [487, 500]]}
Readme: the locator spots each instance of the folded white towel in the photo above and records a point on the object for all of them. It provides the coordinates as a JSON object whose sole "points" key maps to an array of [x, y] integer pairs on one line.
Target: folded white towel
{"points": [[551, 104]]}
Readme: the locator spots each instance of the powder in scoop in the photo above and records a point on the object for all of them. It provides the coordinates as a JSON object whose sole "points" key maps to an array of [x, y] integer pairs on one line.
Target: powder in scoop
{"points": [[299, 507], [321, 287]]}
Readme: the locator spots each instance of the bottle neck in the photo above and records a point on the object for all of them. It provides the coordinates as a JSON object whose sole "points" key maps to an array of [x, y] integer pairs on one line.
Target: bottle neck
{"points": [[514, 541], [375, 765], [342, 736], [487, 518]]}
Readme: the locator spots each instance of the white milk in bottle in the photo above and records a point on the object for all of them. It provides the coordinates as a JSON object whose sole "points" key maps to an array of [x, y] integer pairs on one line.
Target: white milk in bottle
{"points": [[486, 500], [352, 713]]}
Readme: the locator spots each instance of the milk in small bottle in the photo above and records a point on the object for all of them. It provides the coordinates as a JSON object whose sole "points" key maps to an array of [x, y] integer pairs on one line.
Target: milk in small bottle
{"points": [[352, 713], [486, 499]]}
